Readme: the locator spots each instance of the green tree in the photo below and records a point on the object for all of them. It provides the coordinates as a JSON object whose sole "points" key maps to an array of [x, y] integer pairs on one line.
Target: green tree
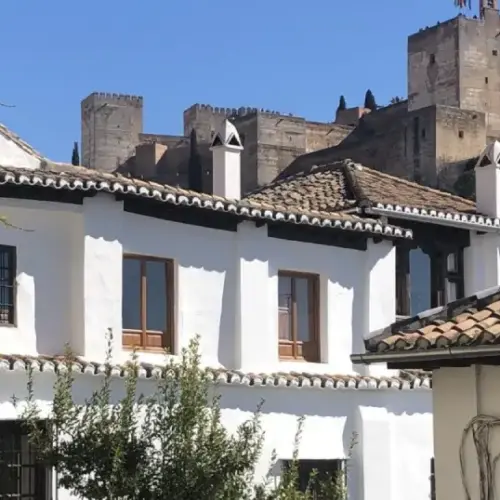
{"points": [[146, 447], [75, 156], [342, 104], [370, 102], [396, 99]]}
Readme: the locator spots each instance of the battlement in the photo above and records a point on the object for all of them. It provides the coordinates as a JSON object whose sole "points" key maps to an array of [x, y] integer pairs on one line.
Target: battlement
{"points": [[423, 32], [112, 98], [233, 112]]}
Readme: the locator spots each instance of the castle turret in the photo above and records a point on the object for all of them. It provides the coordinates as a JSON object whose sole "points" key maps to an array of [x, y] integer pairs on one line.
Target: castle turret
{"points": [[111, 124]]}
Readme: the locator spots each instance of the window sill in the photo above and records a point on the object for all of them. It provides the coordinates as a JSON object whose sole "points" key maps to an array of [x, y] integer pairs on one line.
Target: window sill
{"points": [[137, 348]]}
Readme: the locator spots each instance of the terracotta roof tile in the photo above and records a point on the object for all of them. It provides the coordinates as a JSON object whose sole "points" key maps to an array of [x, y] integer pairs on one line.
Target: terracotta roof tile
{"points": [[407, 379], [471, 321], [69, 177], [341, 186]]}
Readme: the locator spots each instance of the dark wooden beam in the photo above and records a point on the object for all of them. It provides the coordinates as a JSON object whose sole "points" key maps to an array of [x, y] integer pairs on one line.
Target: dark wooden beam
{"points": [[180, 213], [40, 193], [318, 235]]}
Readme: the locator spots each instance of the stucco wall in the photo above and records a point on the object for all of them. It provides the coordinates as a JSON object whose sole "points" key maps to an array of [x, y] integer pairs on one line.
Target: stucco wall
{"points": [[70, 260], [459, 394], [69, 288], [390, 461]]}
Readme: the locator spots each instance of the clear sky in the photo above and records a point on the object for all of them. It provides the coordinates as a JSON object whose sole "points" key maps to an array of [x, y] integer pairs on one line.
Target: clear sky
{"points": [[291, 56]]}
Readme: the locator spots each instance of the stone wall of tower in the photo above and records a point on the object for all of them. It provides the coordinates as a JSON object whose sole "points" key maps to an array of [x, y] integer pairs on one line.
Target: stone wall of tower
{"points": [[479, 56], [271, 140], [111, 124], [433, 66]]}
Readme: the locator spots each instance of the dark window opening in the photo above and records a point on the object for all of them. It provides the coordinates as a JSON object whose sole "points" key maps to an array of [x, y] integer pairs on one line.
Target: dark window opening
{"points": [[423, 133], [217, 141], [324, 470], [461, 134], [298, 316], [424, 281], [485, 79], [148, 302], [433, 481], [494, 52], [22, 476], [7, 284], [432, 58], [233, 141], [416, 141]]}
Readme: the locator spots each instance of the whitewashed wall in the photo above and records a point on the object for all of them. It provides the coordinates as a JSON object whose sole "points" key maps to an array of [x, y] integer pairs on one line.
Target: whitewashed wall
{"points": [[391, 460], [70, 289], [70, 285]]}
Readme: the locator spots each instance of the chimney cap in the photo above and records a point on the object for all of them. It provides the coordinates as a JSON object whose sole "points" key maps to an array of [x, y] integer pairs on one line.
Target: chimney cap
{"points": [[490, 155], [227, 136]]}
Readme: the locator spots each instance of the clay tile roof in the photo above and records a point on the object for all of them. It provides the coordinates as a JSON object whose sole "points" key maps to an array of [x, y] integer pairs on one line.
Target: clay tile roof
{"points": [[472, 321], [385, 189], [343, 185], [405, 379], [68, 177]]}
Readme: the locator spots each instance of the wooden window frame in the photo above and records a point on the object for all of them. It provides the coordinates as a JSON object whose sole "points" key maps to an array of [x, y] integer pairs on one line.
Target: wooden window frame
{"points": [[164, 339], [289, 349], [11, 287], [439, 277]]}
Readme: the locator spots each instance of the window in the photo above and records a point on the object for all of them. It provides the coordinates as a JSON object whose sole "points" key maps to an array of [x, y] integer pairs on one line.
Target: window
{"points": [[298, 316], [325, 469], [424, 281], [7, 284], [21, 475], [485, 79], [494, 52], [432, 58], [433, 481], [148, 302], [461, 134]]}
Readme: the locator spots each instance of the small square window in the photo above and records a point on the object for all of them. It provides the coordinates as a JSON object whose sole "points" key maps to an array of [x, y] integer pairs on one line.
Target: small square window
{"points": [[494, 52], [461, 134]]}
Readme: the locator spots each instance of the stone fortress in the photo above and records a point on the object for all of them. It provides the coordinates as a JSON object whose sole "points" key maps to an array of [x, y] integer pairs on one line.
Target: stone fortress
{"points": [[452, 110]]}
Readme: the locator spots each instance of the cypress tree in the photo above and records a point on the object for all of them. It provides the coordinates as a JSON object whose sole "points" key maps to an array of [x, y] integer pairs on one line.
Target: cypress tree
{"points": [[342, 104], [370, 102], [75, 157]]}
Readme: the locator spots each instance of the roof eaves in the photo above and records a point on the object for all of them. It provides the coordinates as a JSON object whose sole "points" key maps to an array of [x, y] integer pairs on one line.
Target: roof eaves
{"points": [[406, 381], [454, 219], [118, 184]]}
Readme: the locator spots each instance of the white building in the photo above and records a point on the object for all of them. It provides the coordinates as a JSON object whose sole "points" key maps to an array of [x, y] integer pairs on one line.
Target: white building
{"points": [[282, 286]]}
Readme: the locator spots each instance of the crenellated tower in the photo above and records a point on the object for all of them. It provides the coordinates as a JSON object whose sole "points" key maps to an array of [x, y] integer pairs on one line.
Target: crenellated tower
{"points": [[111, 124]]}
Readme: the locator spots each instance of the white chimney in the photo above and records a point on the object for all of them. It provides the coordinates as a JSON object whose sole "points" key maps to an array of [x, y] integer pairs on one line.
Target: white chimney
{"points": [[226, 153], [488, 181]]}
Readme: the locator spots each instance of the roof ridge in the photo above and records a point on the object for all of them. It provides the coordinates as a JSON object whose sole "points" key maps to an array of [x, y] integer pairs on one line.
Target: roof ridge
{"points": [[416, 184]]}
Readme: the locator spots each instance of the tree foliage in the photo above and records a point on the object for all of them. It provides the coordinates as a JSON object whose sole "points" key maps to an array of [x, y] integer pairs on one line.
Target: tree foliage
{"points": [[144, 447], [342, 104], [75, 155], [370, 102]]}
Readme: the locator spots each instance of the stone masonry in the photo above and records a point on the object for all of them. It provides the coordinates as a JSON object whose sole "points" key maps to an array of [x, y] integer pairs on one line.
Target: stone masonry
{"points": [[452, 111]]}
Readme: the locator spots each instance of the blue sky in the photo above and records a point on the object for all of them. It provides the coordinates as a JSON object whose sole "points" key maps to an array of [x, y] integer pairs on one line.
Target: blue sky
{"points": [[291, 56]]}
